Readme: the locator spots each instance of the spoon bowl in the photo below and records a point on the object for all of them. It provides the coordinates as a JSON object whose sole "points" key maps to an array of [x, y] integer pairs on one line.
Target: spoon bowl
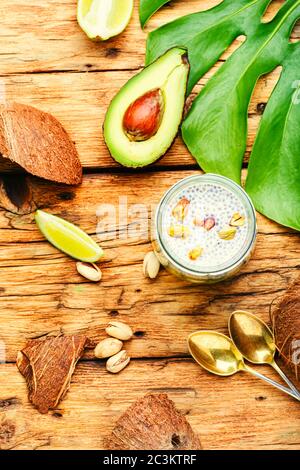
{"points": [[256, 342], [215, 352], [218, 354], [252, 337]]}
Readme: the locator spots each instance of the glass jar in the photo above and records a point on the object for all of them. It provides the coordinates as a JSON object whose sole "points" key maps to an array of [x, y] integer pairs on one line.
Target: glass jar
{"points": [[204, 229]]}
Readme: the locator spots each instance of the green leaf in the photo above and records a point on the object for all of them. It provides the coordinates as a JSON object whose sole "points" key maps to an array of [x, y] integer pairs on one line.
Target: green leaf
{"points": [[273, 179], [206, 35], [215, 130], [148, 8]]}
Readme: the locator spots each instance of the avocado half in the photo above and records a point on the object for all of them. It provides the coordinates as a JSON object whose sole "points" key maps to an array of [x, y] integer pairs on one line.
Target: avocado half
{"points": [[169, 75]]}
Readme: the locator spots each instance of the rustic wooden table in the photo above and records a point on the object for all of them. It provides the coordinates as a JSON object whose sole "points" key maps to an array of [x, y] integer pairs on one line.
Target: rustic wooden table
{"points": [[47, 61]]}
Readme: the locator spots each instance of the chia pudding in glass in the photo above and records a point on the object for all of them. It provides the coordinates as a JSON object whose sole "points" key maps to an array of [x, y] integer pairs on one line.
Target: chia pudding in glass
{"points": [[204, 228]]}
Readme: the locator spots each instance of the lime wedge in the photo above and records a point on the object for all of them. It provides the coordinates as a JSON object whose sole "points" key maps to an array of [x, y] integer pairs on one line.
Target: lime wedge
{"points": [[103, 19], [68, 237]]}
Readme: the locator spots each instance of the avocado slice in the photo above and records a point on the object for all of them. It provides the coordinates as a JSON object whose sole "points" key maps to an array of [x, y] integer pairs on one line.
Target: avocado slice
{"points": [[143, 118]]}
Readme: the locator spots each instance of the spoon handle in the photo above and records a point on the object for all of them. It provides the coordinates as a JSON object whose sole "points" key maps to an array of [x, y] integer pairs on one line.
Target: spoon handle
{"points": [[271, 382], [285, 378]]}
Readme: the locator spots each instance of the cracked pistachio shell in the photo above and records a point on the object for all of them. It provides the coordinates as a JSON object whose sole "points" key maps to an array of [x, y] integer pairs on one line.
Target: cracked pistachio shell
{"points": [[119, 330], [90, 271], [117, 362], [195, 253], [237, 220], [179, 231], [209, 223], [227, 233], [151, 265], [181, 209], [108, 347]]}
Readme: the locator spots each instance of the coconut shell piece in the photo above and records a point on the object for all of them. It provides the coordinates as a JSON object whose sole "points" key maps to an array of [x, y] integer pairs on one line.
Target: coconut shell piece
{"points": [[16, 194], [37, 142], [48, 366], [153, 423], [286, 326]]}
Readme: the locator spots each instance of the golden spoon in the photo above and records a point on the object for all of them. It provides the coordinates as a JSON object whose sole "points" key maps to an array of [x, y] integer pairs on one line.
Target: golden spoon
{"points": [[217, 353], [255, 341]]}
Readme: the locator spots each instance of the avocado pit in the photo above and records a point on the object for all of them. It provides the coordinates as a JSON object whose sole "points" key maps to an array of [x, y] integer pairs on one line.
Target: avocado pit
{"points": [[143, 117]]}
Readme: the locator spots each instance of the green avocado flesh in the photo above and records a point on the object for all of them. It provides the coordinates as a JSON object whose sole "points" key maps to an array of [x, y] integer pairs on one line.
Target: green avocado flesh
{"points": [[169, 73]]}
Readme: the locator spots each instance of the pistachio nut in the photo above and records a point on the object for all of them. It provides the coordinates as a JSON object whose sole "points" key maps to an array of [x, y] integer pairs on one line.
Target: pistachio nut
{"points": [[209, 223], [195, 253], [108, 347], [89, 270], [179, 231], [237, 220], [151, 265], [117, 362], [119, 330], [181, 209], [228, 233], [198, 221]]}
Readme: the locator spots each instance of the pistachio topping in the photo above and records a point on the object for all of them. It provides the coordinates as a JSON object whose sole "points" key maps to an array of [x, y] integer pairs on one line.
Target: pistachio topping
{"points": [[227, 233], [209, 223], [207, 236], [179, 231], [181, 209], [237, 220], [195, 253], [198, 221]]}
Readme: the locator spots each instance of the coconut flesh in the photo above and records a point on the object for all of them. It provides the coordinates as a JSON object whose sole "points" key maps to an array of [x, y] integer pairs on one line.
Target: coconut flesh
{"points": [[286, 326]]}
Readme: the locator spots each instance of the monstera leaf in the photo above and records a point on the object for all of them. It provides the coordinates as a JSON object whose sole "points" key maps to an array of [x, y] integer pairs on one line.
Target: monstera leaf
{"points": [[206, 34], [215, 130], [148, 8], [273, 179]]}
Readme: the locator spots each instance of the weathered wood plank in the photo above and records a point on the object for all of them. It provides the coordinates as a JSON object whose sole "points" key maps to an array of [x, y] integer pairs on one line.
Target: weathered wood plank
{"points": [[53, 41], [41, 292], [80, 101], [234, 413]]}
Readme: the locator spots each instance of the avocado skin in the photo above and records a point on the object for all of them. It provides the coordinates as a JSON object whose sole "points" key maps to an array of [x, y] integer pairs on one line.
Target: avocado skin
{"points": [[169, 73]]}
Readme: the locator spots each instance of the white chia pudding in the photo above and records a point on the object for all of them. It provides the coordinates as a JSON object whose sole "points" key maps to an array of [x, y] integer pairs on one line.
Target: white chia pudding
{"points": [[206, 224]]}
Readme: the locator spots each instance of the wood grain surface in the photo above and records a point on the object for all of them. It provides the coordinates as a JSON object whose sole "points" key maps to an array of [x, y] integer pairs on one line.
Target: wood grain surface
{"points": [[47, 61], [232, 413]]}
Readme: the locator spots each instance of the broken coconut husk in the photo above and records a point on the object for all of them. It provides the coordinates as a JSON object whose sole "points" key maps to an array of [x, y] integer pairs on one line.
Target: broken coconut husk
{"points": [[153, 423], [48, 366], [37, 142], [286, 327], [16, 194]]}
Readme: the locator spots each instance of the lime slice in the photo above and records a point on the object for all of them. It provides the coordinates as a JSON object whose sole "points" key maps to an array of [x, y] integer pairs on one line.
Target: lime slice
{"points": [[68, 237], [103, 19]]}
